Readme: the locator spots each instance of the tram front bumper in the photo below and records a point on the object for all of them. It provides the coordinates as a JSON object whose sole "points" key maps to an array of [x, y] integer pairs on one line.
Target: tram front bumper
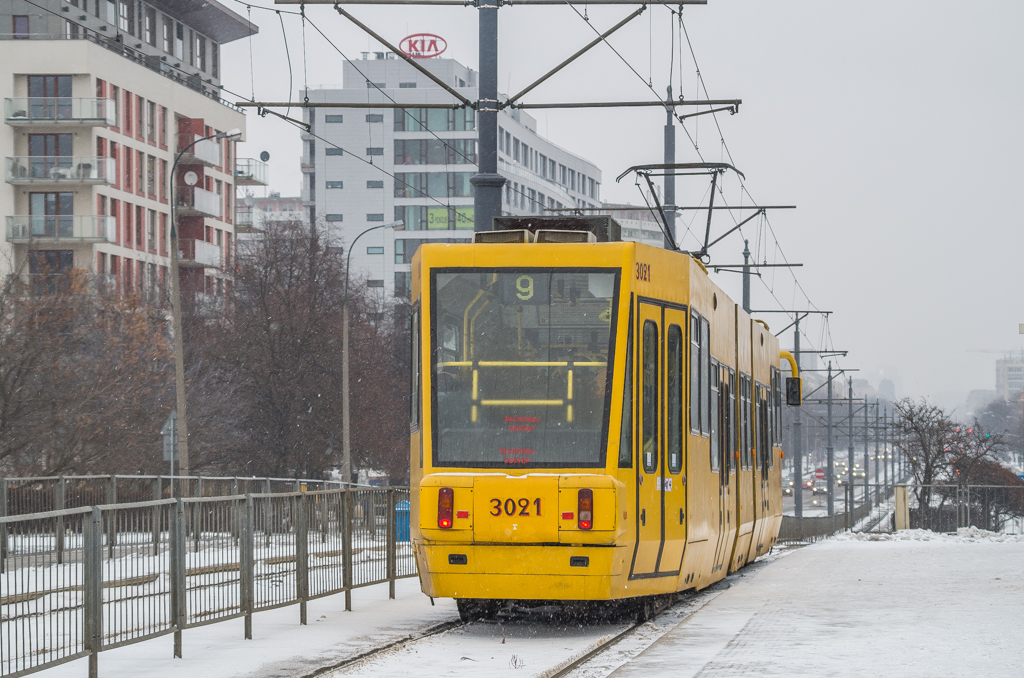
{"points": [[520, 572]]}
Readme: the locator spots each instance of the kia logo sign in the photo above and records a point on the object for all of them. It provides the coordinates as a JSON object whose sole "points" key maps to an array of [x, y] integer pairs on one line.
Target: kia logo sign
{"points": [[423, 45]]}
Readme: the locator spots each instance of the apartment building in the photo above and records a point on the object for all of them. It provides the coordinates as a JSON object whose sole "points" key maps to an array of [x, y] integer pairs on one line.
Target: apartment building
{"points": [[369, 166], [639, 224], [100, 96]]}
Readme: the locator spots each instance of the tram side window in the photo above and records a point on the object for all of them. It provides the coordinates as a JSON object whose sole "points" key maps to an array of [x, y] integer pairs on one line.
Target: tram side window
{"points": [[746, 456], [414, 372], [626, 434], [777, 386], [730, 457], [695, 373], [705, 380], [674, 403], [650, 397], [716, 402]]}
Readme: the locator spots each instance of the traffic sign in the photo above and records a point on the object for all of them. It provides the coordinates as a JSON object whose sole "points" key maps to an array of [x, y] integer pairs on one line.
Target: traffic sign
{"points": [[820, 474], [170, 435]]}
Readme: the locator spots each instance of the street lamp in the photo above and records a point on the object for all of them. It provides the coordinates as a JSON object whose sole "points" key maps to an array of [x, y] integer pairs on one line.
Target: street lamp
{"points": [[346, 461], [179, 355]]}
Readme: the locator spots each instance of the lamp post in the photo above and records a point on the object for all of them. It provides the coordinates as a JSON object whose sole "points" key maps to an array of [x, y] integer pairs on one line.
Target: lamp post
{"points": [[346, 460], [179, 355]]}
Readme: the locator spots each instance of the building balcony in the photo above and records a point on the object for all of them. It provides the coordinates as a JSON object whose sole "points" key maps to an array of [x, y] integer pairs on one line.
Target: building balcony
{"points": [[60, 229], [196, 202], [306, 164], [205, 152], [43, 170], [23, 111], [249, 172], [198, 253]]}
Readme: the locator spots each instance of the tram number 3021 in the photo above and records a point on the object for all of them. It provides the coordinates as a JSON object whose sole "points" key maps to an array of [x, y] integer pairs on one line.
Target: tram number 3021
{"points": [[515, 507]]}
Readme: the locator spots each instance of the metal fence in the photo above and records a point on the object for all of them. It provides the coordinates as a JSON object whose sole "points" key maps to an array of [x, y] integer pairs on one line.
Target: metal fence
{"points": [[79, 581], [19, 496], [946, 508], [866, 508]]}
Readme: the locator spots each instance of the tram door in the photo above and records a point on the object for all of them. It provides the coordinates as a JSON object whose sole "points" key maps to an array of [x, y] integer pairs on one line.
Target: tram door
{"points": [[721, 456], [649, 510], [673, 482]]}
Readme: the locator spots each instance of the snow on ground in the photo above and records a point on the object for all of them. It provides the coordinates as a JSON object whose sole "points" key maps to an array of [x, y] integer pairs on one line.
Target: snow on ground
{"points": [[910, 604], [280, 646]]}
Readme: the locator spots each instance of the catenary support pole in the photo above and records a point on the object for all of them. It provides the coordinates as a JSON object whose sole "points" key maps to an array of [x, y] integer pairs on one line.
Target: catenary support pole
{"points": [[878, 476], [487, 183], [885, 449], [867, 478], [829, 450], [670, 177], [746, 276], [850, 503], [798, 440]]}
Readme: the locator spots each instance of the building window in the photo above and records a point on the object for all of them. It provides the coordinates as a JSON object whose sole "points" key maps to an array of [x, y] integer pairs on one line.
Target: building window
{"points": [[376, 150], [149, 29], [201, 53], [334, 151], [125, 16], [151, 230], [20, 27], [375, 184], [335, 217], [407, 85], [167, 26], [335, 184], [375, 250], [179, 41], [435, 151], [334, 118], [515, 150], [435, 120], [375, 85], [374, 117], [215, 59], [375, 217], [375, 283], [151, 176]]}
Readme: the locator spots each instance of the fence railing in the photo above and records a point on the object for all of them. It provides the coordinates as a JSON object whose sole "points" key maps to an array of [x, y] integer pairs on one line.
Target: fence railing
{"points": [[938, 508], [946, 508], [20, 495], [82, 580]]}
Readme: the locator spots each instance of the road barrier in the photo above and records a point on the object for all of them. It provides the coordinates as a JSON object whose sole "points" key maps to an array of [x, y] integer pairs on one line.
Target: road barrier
{"points": [[82, 580]]}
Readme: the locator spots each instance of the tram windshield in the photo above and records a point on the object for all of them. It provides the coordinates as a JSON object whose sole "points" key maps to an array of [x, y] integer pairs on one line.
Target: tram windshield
{"points": [[520, 362]]}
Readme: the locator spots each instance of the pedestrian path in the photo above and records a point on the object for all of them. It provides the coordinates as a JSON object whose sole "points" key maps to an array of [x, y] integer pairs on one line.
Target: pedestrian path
{"points": [[911, 604]]}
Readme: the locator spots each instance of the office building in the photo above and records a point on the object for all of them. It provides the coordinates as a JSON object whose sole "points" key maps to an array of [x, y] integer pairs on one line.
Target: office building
{"points": [[414, 164]]}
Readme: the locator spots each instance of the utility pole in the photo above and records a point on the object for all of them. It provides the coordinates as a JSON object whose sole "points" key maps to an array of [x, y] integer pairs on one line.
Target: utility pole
{"points": [[850, 503], [798, 439], [746, 276], [487, 183], [670, 177], [829, 451]]}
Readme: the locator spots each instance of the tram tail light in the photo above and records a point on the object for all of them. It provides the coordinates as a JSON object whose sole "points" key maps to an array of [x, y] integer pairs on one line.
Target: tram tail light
{"points": [[585, 509], [445, 507]]}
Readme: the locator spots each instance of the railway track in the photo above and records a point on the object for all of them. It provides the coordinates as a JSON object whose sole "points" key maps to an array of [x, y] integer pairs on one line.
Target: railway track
{"points": [[393, 645]]}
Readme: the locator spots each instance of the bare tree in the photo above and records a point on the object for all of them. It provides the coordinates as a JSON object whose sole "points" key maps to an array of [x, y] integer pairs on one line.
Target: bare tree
{"points": [[82, 374]]}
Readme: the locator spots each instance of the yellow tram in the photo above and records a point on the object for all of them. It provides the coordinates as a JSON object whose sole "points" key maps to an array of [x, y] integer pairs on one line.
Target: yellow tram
{"points": [[591, 421]]}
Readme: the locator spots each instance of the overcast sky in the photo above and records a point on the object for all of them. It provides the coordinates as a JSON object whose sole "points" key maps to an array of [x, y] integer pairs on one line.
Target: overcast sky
{"points": [[895, 127]]}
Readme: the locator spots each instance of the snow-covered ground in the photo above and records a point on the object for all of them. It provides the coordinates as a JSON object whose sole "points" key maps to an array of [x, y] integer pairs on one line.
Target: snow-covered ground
{"points": [[280, 646], [914, 603]]}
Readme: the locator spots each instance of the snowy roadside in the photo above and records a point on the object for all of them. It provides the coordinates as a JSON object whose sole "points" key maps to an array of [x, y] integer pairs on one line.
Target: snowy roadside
{"points": [[280, 646], [964, 535]]}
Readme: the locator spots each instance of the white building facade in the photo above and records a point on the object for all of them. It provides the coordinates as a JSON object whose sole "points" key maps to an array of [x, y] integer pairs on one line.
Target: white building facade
{"points": [[370, 166], [99, 96]]}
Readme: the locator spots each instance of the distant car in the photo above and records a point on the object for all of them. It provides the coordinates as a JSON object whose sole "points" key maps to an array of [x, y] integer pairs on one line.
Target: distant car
{"points": [[819, 487], [787, 488]]}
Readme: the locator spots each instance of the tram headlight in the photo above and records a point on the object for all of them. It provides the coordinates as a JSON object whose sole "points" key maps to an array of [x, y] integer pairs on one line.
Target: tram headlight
{"points": [[445, 506], [585, 509]]}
